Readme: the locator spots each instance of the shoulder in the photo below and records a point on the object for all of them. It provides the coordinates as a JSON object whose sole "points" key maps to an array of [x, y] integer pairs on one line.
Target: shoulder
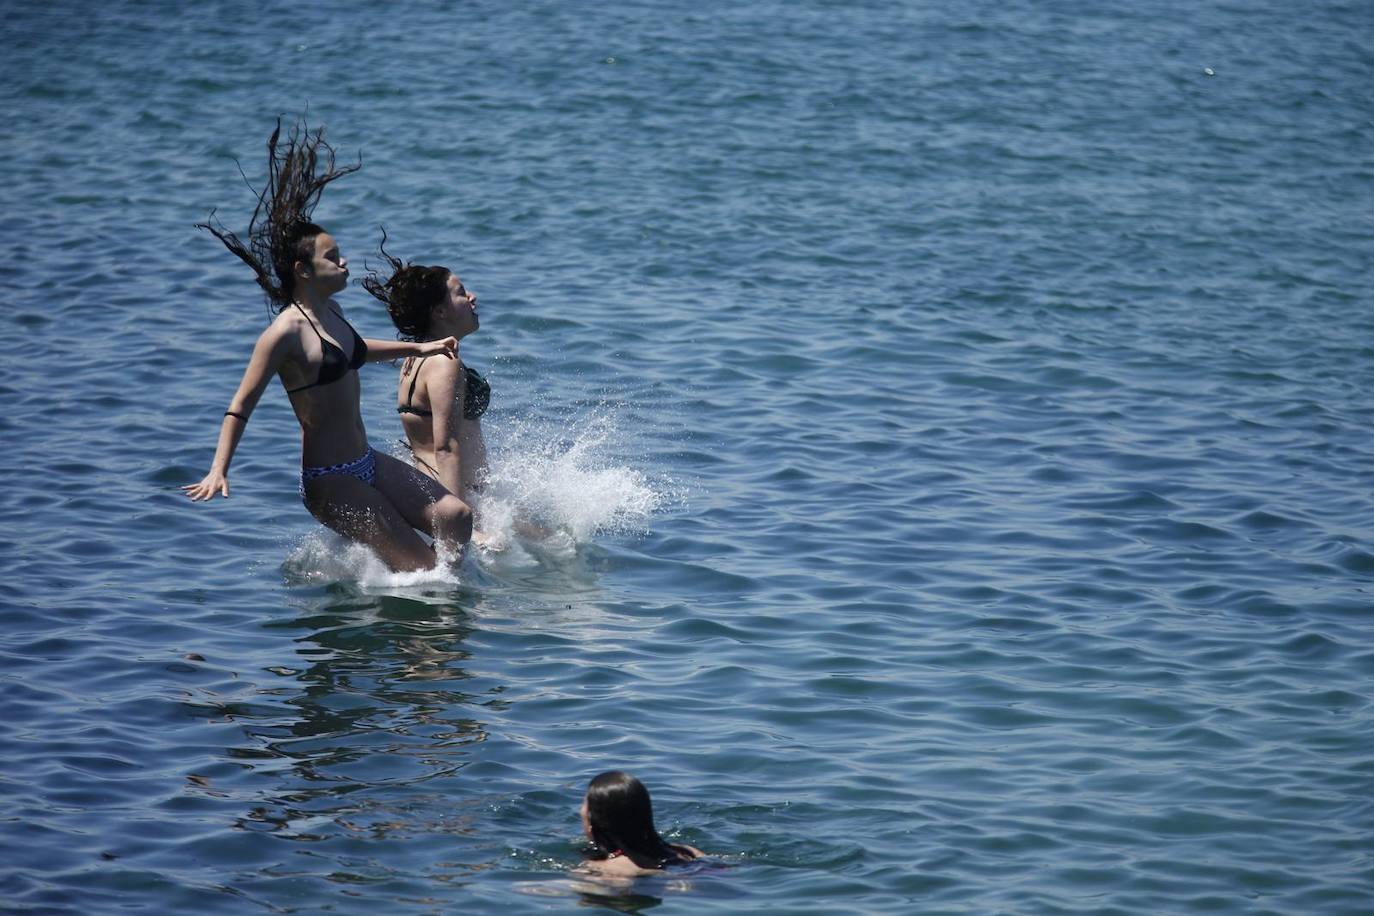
{"points": [[287, 321], [283, 332], [439, 370], [594, 866], [619, 867]]}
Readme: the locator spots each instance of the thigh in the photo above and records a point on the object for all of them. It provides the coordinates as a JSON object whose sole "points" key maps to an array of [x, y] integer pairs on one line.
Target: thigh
{"points": [[473, 448], [412, 492], [362, 513]]}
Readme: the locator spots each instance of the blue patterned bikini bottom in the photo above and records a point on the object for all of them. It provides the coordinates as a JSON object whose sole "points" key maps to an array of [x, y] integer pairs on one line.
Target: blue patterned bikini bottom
{"points": [[364, 468]]}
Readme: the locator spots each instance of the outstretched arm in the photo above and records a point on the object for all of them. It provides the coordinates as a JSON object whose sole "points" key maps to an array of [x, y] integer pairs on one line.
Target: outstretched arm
{"points": [[384, 350], [271, 348]]}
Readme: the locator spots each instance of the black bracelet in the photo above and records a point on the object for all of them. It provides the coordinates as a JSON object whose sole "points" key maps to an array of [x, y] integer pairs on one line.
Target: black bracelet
{"points": [[230, 413]]}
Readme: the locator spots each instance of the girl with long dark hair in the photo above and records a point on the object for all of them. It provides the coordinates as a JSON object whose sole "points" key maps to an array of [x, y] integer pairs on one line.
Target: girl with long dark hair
{"points": [[440, 401], [618, 819], [366, 496]]}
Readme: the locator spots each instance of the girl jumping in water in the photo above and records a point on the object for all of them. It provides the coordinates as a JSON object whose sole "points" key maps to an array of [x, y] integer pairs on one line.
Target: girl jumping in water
{"points": [[441, 401], [366, 496]]}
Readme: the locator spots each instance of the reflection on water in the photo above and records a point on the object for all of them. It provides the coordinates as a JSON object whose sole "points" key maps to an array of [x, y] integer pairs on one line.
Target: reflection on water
{"points": [[622, 900], [634, 896], [622, 897], [369, 735]]}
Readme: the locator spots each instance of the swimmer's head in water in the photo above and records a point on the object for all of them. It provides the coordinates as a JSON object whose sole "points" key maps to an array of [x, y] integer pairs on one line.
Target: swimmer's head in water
{"points": [[414, 294], [618, 817], [280, 232]]}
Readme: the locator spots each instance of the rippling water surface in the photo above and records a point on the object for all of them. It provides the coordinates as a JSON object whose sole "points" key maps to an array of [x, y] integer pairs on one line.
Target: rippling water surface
{"points": [[953, 417]]}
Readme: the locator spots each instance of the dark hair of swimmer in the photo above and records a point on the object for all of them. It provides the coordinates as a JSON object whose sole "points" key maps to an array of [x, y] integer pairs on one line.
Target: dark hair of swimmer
{"points": [[411, 295], [620, 821], [280, 232]]}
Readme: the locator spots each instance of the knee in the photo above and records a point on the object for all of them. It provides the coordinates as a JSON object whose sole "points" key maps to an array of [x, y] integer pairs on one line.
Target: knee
{"points": [[453, 518]]}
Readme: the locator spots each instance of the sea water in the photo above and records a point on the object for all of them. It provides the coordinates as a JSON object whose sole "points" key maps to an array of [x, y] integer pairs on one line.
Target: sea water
{"points": [[949, 422]]}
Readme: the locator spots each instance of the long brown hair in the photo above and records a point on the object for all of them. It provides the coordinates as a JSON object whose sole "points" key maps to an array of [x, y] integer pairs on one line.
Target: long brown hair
{"points": [[280, 232], [621, 816]]}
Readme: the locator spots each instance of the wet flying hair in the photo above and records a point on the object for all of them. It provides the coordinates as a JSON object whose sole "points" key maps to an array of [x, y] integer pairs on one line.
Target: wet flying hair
{"points": [[410, 295], [621, 816], [280, 232]]}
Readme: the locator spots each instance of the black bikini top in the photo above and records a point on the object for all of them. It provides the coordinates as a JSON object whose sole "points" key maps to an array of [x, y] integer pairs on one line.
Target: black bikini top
{"points": [[334, 365], [476, 397]]}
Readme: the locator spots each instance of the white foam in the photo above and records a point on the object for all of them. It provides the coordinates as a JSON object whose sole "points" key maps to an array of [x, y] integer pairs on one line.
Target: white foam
{"points": [[548, 491], [323, 556], [564, 482]]}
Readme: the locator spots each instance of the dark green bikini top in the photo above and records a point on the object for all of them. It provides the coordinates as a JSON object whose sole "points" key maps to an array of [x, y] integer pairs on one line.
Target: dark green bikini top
{"points": [[476, 397]]}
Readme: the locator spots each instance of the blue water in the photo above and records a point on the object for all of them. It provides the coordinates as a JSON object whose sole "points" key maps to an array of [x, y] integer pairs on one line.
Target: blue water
{"points": [[953, 418]]}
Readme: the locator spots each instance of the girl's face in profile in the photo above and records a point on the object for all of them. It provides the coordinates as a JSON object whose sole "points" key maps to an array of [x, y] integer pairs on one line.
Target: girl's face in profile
{"points": [[463, 302], [328, 267], [586, 821]]}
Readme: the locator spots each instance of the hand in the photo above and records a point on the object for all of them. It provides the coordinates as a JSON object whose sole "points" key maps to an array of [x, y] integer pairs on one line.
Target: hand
{"points": [[214, 482], [448, 346]]}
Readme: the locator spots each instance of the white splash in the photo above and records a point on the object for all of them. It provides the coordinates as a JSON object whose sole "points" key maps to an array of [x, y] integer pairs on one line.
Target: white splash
{"points": [[546, 494], [323, 556], [555, 491]]}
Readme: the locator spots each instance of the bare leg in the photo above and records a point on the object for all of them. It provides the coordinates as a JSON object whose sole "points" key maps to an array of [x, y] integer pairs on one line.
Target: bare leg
{"points": [[473, 447], [362, 513], [424, 503], [422, 467]]}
